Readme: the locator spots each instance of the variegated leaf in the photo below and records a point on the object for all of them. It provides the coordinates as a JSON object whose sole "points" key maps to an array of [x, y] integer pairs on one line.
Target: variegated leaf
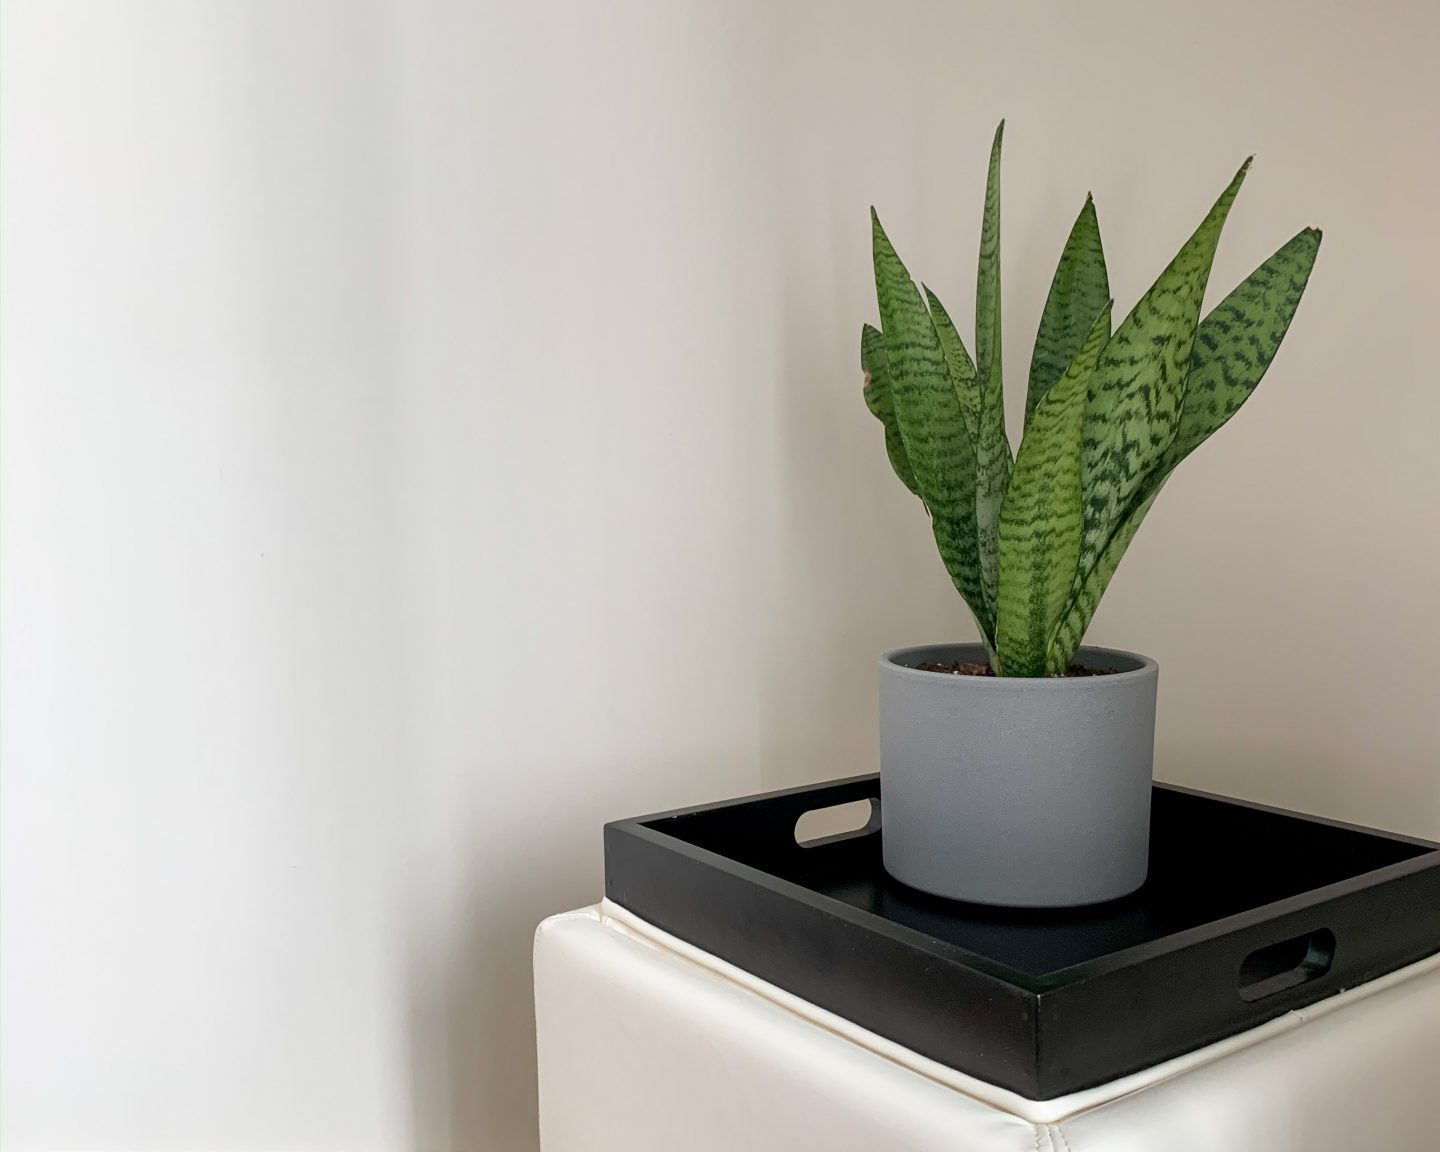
{"points": [[932, 425], [1081, 609], [881, 404], [1138, 386], [992, 448], [1234, 346], [1043, 516], [1079, 290], [993, 463], [987, 280], [962, 369], [1237, 341]]}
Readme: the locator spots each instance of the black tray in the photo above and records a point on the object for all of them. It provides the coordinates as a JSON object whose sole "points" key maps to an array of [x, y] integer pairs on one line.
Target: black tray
{"points": [[1249, 912]]}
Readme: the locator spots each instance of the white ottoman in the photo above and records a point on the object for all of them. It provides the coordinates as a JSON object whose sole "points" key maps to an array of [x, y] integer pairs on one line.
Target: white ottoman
{"points": [[647, 1043]]}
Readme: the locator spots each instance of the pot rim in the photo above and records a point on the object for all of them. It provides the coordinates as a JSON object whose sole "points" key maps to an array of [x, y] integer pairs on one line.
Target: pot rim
{"points": [[890, 664]]}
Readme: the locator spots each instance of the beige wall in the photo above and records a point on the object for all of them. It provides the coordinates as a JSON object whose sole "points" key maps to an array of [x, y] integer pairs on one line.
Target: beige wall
{"points": [[430, 429]]}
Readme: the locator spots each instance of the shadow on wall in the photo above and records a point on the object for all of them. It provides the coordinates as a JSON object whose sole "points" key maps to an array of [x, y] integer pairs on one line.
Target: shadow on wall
{"points": [[472, 1036], [470, 998]]}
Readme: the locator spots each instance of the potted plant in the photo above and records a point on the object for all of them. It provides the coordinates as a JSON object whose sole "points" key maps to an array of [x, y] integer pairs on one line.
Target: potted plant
{"points": [[1017, 771]]}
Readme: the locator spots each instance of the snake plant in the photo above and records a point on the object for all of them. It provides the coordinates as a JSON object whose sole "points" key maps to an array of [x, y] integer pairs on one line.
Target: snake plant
{"points": [[1031, 542]]}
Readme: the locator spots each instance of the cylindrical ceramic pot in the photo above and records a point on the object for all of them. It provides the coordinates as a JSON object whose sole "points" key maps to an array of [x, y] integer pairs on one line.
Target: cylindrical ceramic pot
{"points": [[1019, 792]]}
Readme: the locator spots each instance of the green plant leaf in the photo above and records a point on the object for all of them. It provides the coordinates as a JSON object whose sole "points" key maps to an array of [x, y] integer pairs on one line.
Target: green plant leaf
{"points": [[1086, 598], [987, 280], [993, 464], [1138, 387], [1043, 516], [1079, 290], [932, 425], [1234, 347], [962, 370], [992, 448], [1237, 341], [882, 404]]}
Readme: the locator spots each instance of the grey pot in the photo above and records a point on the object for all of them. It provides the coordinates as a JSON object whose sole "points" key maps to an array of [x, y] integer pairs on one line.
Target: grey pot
{"points": [[1019, 792]]}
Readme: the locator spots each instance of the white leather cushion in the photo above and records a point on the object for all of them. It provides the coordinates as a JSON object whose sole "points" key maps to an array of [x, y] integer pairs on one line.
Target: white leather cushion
{"points": [[648, 1043]]}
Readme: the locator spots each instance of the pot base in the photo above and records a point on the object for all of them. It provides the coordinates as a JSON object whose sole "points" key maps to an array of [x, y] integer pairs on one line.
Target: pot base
{"points": [[1012, 904]]}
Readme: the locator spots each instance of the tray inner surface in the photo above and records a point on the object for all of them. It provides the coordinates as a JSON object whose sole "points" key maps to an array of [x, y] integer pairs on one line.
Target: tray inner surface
{"points": [[1209, 859]]}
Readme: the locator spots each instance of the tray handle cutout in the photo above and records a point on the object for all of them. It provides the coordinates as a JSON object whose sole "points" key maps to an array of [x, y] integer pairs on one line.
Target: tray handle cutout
{"points": [[1287, 964], [837, 822]]}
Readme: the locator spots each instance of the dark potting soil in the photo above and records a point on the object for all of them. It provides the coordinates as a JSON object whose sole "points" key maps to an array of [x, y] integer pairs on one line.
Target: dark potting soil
{"points": [[974, 668]]}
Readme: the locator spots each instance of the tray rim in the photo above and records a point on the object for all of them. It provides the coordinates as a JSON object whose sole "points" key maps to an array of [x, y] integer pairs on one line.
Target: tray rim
{"points": [[1036, 985]]}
